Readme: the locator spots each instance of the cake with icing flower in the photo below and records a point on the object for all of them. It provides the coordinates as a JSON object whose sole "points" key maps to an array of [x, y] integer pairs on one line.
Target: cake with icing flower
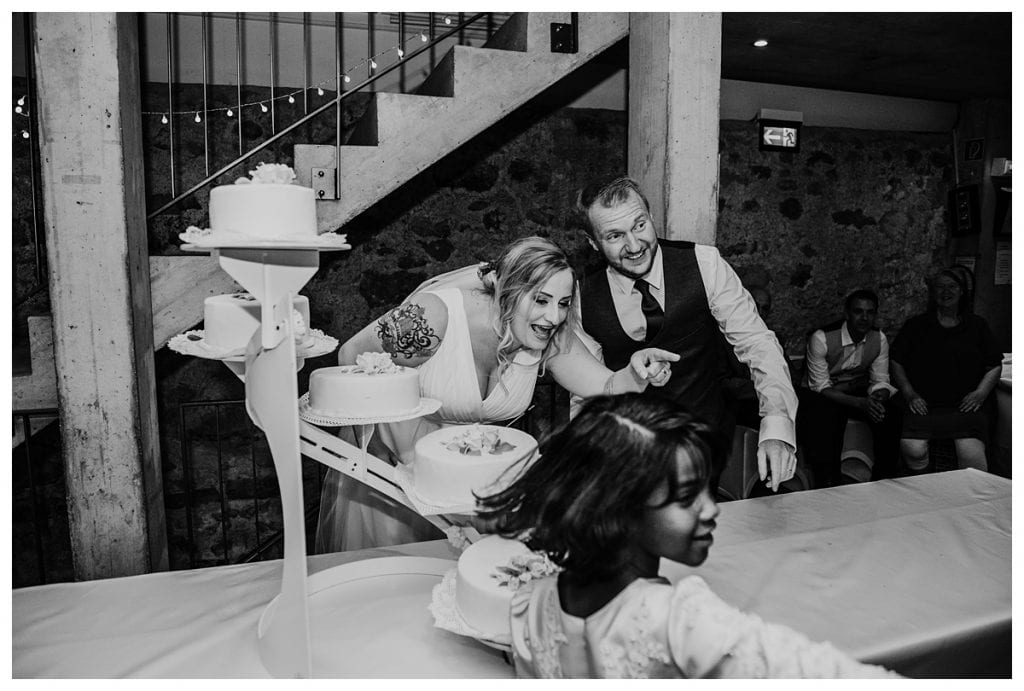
{"points": [[478, 591], [267, 207], [453, 464], [373, 387]]}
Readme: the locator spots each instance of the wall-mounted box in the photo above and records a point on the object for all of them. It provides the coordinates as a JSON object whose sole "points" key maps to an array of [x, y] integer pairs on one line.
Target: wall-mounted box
{"points": [[1001, 166]]}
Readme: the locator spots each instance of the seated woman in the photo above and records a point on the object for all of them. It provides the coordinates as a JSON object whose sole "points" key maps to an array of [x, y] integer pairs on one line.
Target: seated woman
{"points": [[946, 362], [480, 338]]}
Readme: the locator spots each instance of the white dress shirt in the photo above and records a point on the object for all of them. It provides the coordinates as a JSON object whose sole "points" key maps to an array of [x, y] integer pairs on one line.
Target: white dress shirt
{"points": [[733, 308], [818, 375]]}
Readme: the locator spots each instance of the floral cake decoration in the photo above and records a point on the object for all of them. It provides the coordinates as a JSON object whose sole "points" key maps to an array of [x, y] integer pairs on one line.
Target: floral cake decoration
{"points": [[269, 174], [477, 441], [523, 568], [374, 363]]}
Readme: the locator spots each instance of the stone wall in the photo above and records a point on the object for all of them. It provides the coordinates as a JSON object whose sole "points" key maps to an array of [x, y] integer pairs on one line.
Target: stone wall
{"points": [[855, 208]]}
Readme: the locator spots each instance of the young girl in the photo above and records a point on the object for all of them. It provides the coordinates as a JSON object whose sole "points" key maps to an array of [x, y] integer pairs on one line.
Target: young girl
{"points": [[621, 486]]}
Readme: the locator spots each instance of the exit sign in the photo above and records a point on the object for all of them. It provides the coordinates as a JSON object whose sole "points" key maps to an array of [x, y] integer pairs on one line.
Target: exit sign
{"points": [[779, 135]]}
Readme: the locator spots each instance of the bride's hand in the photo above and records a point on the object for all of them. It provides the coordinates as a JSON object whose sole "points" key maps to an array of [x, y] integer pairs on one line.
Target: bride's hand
{"points": [[653, 365]]}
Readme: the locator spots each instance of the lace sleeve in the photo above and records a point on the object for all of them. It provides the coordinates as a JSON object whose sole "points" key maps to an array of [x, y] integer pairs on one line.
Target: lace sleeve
{"points": [[709, 638]]}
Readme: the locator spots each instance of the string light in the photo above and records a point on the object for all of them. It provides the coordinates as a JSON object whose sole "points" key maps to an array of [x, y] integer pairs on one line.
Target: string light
{"points": [[372, 62], [447, 20], [24, 134], [17, 109]]}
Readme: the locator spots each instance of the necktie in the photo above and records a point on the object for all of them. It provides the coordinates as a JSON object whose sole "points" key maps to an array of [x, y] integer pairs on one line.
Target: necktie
{"points": [[650, 307]]}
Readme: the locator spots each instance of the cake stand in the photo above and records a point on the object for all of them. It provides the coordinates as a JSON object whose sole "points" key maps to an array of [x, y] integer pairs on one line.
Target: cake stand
{"points": [[273, 274]]}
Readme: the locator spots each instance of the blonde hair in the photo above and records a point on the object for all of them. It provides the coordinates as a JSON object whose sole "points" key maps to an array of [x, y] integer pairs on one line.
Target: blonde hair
{"points": [[517, 275]]}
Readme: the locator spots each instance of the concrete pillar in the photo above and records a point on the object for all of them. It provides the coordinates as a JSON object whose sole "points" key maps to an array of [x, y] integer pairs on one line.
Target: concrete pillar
{"points": [[674, 81], [94, 208]]}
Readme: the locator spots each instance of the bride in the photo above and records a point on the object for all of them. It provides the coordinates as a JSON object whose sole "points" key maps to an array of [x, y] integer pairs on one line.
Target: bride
{"points": [[480, 337]]}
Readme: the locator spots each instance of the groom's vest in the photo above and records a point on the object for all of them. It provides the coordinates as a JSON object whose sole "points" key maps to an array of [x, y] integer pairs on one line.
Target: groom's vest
{"points": [[688, 329]]}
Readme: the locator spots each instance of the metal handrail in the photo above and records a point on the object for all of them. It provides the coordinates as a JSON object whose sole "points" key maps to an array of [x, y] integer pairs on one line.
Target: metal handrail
{"points": [[305, 119]]}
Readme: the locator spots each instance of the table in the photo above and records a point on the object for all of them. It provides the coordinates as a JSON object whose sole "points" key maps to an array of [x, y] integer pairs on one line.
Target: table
{"points": [[912, 573]]}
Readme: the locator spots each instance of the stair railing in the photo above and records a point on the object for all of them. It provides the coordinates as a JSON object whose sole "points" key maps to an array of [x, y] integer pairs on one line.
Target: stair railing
{"points": [[341, 94]]}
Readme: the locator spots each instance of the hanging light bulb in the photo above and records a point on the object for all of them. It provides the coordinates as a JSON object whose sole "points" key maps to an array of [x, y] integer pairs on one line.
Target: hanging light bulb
{"points": [[291, 99], [401, 53], [24, 134], [21, 101], [263, 107], [373, 64], [163, 118], [347, 79], [423, 37], [198, 119], [319, 91], [17, 109], [230, 112], [447, 20]]}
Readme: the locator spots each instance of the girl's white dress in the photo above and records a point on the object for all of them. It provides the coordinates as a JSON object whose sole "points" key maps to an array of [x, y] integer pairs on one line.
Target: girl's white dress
{"points": [[353, 516], [653, 629]]}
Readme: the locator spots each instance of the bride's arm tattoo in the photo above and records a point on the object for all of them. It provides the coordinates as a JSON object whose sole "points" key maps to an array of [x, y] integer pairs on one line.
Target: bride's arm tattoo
{"points": [[405, 331]]}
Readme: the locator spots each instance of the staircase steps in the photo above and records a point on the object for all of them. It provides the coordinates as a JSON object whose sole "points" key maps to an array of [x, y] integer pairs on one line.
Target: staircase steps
{"points": [[471, 89]]}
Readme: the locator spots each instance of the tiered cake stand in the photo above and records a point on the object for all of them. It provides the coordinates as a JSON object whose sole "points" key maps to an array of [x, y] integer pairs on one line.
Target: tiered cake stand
{"points": [[273, 274]]}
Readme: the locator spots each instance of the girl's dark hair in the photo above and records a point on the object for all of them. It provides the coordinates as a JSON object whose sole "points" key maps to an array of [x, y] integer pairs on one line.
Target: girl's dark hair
{"points": [[581, 501]]}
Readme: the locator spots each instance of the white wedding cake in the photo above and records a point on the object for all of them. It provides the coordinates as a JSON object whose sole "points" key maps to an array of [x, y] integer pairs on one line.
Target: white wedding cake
{"points": [[373, 387], [230, 320], [453, 463], [270, 206], [488, 574]]}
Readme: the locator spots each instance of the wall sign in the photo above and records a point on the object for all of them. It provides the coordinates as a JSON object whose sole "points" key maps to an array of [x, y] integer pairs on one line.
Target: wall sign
{"points": [[778, 135], [974, 149]]}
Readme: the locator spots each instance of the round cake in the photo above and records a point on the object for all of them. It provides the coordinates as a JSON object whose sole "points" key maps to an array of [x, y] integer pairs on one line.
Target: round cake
{"points": [[453, 463], [268, 207], [230, 320], [373, 387], [488, 573]]}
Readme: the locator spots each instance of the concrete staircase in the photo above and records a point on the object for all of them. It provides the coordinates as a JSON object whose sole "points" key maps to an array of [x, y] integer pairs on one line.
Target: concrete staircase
{"points": [[471, 89], [399, 136]]}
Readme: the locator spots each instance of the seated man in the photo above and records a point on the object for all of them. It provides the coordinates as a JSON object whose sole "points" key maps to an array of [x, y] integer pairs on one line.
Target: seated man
{"points": [[848, 377]]}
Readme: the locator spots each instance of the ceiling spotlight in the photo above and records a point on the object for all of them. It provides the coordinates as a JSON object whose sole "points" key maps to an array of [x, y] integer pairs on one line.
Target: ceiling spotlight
{"points": [[761, 43]]}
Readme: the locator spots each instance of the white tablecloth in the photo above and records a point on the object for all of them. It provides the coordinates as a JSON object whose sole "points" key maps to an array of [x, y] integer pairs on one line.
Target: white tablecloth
{"points": [[911, 573]]}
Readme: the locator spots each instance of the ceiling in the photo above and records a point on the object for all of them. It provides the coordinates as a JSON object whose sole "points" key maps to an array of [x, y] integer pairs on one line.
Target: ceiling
{"points": [[942, 56]]}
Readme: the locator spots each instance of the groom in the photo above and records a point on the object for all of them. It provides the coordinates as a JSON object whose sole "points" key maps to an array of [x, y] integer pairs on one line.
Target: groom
{"points": [[677, 296]]}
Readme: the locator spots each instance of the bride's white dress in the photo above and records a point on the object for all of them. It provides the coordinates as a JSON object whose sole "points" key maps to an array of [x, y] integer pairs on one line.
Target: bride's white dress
{"points": [[353, 516]]}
